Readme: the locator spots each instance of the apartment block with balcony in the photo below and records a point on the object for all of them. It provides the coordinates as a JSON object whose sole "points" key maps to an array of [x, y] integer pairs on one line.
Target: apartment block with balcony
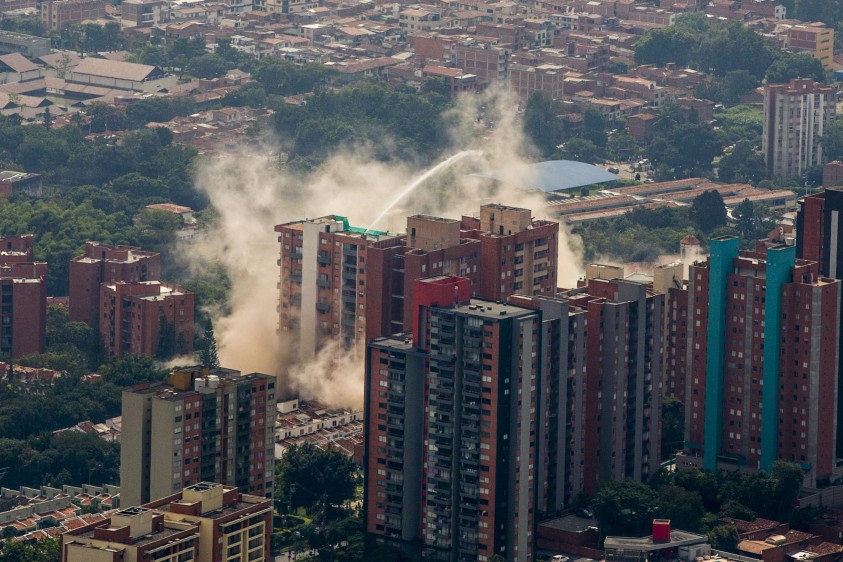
{"points": [[201, 425], [763, 338], [325, 277], [796, 115], [23, 297], [451, 452], [56, 14], [144, 13], [145, 318], [518, 254], [133, 533], [101, 263], [205, 522]]}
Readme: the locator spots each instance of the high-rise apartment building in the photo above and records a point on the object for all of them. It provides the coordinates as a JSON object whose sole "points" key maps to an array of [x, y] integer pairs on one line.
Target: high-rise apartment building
{"points": [[518, 254], [199, 426], [600, 403], [796, 115], [818, 238], [23, 297], [145, 318], [558, 404], [205, 522], [451, 451], [106, 264], [346, 283], [763, 361], [325, 277], [819, 231]]}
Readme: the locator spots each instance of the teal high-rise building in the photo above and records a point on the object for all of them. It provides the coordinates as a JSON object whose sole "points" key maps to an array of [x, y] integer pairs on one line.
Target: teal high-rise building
{"points": [[762, 354]]}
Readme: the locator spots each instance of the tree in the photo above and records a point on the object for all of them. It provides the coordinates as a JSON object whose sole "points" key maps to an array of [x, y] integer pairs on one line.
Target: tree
{"points": [[683, 507], [140, 186], [579, 149], [668, 44], [313, 478], [624, 507], [209, 66], [128, 370], [673, 426], [47, 550], [788, 478], [541, 124], [737, 510], [795, 65], [742, 165], [832, 140], [594, 127], [731, 46], [724, 537], [744, 214], [708, 210], [736, 83], [210, 360], [829, 12]]}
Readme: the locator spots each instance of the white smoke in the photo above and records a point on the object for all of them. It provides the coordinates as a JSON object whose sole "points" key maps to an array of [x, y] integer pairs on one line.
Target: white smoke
{"points": [[251, 195]]}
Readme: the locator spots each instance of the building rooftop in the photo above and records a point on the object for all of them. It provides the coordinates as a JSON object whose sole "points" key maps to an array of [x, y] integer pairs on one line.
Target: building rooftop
{"points": [[12, 176], [553, 175], [115, 69], [570, 523], [677, 538]]}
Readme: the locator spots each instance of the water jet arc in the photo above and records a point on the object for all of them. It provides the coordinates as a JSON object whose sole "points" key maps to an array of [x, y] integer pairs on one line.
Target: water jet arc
{"points": [[420, 180]]}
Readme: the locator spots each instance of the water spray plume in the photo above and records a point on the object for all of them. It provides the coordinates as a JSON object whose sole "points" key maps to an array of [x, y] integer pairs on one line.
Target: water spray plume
{"points": [[420, 180]]}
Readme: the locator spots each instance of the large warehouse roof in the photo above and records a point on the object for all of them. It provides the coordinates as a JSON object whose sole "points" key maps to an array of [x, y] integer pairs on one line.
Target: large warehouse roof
{"points": [[552, 175]]}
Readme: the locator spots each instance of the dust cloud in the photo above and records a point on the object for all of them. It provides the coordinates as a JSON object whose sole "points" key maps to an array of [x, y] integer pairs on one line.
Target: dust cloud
{"points": [[252, 194]]}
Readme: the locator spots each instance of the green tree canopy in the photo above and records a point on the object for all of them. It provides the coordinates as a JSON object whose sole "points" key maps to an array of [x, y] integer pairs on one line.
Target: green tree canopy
{"points": [[742, 165], [309, 477], [624, 508], [795, 65], [708, 210], [541, 123]]}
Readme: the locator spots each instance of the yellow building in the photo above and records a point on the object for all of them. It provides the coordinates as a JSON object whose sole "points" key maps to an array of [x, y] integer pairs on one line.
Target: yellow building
{"points": [[814, 38], [206, 522]]}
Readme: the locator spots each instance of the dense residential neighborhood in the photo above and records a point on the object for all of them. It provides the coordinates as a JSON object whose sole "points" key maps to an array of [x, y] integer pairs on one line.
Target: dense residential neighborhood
{"points": [[466, 280]]}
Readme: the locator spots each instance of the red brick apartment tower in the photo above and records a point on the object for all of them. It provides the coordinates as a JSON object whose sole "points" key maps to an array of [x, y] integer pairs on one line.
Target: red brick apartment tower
{"points": [[669, 280], [518, 255], [561, 405], [106, 264], [23, 297], [133, 314], [435, 247], [201, 425], [455, 470], [325, 277], [623, 359], [764, 296]]}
